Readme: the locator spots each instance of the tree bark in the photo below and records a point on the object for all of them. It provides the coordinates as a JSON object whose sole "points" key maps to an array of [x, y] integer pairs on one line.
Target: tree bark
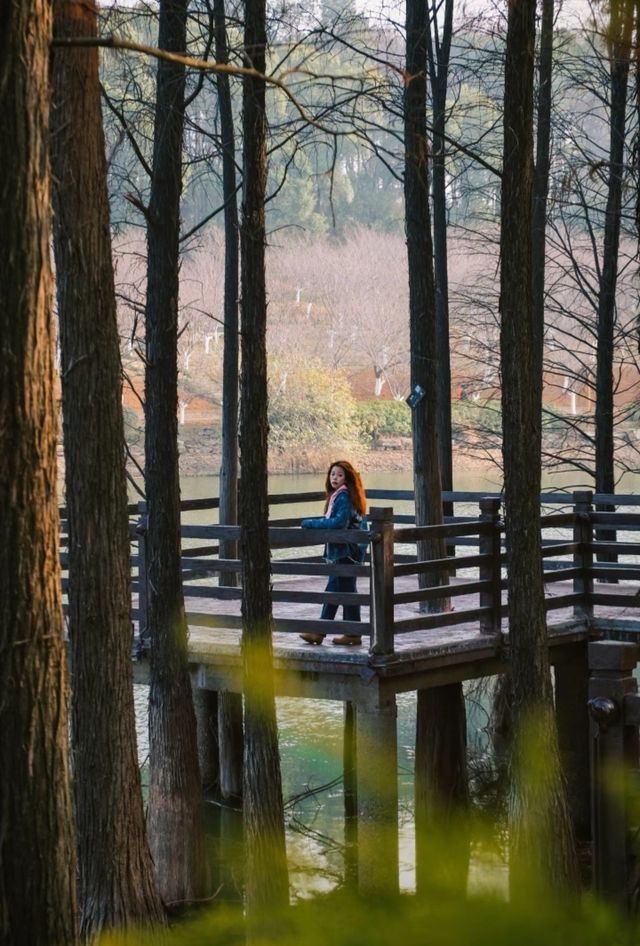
{"points": [[422, 322], [541, 178], [230, 704], [619, 45], [621, 26], [175, 816], [541, 844], [37, 859], [229, 464], [439, 48], [266, 886], [442, 789], [116, 880], [437, 725]]}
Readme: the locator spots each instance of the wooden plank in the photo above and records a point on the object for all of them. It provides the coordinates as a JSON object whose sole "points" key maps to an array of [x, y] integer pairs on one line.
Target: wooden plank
{"points": [[555, 603], [295, 626], [620, 548], [616, 499], [279, 499], [557, 519], [562, 574], [441, 564], [615, 601], [214, 592], [559, 548], [450, 591], [617, 570], [621, 520], [428, 622], [319, 597], [231, 533], [431, 532]]}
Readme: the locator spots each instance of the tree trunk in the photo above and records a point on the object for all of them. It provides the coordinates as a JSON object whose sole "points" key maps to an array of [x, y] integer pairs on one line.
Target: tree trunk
{"points": [[438, 63], [37, 860], [541, 845], [175, 817], [442, 789], [619, 44], [229, 464], [541, 179], [442, 724], [230, 704], [116, 881], [266, 886], [427, 483]]}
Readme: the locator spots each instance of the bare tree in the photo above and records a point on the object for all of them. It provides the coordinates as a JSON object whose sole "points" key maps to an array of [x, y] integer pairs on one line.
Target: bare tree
{"points": [[37, 859], [441, 785], [540, 834], [175, 816], [267, 877]]}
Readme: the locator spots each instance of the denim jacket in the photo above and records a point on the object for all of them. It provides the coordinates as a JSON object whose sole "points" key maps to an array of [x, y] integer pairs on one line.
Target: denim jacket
{"points": [[343, 516]]}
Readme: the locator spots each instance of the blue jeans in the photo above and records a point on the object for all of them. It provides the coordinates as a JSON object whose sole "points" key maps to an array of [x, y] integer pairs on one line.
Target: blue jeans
{"points": [[341, 583]]}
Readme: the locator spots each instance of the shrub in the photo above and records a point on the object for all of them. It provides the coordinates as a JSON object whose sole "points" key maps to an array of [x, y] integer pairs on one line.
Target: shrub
{"points": [[376, 419], [310, 406]]}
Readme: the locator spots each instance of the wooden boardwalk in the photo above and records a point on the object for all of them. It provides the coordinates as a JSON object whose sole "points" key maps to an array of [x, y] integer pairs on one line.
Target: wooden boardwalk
{"points": [[591, 565], [431, 657]]}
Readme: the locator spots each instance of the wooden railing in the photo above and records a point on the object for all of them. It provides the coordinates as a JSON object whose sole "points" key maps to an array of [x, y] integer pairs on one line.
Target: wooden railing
{"points": [[475, 566]]}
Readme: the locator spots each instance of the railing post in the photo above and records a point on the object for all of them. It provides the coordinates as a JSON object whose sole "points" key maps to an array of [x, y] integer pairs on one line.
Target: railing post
{"points": [[611, 665], [143, 615], [381, 616], [491, 571], [583, 556]]}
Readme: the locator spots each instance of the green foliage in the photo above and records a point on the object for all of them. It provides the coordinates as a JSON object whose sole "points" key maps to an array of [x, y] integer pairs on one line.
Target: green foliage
{"points": [[377, 419], [310, 406], [484, 416], [445, 920]]}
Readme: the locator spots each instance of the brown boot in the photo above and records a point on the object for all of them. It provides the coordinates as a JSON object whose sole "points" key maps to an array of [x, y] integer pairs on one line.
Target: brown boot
{"points": [[312, 638], [346, 641]]}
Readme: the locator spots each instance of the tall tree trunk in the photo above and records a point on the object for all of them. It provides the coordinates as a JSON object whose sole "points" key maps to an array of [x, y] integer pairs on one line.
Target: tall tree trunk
{"points": [[230, 704], [619, 45], [439, 48], [37, 860], [422, 322], [435, 722], [116, 881], [541, 842], [502, 694], [266, 883], [229, 465], [541, 178], [175, 816]]}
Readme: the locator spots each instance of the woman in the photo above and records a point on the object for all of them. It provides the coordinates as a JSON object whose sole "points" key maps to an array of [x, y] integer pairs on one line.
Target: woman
{"points": [[344, 508]]}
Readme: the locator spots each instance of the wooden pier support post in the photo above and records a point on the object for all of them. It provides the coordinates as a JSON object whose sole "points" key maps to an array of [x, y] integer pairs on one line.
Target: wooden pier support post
{"points": [[571, 676], [614, 746], [381, 520], [377, 778], [583, 556]]}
